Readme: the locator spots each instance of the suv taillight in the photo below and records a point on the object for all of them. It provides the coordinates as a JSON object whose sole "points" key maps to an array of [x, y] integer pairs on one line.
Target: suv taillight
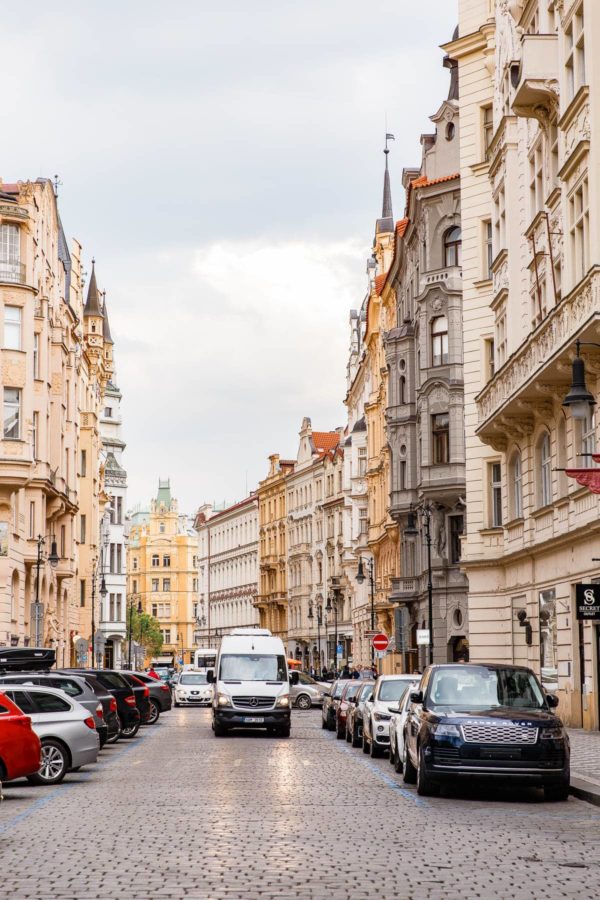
{"points": [[113, 704], [90, 723], [100, 711], [146, 692], [130, 700]]}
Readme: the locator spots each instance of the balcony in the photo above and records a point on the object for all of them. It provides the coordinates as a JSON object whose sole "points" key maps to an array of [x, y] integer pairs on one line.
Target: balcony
{"points": [[535, 78], [404, 589], [450, 277], [12, 272]]}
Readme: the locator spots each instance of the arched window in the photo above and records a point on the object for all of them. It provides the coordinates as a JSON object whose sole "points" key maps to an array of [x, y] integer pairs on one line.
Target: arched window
{"points": [[516, 473], [452, 247], [545, 470], [439, 341]]}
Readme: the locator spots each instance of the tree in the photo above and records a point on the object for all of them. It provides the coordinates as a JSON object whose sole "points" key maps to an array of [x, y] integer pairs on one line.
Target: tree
{"points": [[144, 629]]}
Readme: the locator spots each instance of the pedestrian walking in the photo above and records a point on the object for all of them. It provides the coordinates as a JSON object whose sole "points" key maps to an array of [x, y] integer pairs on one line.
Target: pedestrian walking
{"points": [[345, 672], [153, 674]]}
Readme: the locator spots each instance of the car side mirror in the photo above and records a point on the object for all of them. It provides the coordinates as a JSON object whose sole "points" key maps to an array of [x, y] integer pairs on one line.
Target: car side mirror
{"points": [[210, 676], [416, 696], [552, 700], [294, 678]]}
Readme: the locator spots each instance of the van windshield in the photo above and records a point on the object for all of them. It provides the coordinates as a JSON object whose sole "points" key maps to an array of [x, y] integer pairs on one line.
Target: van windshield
{"points": [[252, 667]]}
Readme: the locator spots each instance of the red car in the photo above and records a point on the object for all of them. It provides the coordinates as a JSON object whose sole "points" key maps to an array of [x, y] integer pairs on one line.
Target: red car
{"points": [[20, 749]]}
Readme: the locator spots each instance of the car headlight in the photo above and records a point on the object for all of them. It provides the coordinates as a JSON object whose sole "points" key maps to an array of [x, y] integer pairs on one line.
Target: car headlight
{"points": [[223, 700], [446, 730], [283, 700], [555, 733], [381, 717]]}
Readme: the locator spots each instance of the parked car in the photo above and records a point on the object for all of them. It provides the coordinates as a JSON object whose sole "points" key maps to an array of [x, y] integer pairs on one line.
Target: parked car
{"points": [[397, 723], [354, 716], [142, 696], [73, 685], [109, 705], [128, 715], [193, 689], [20, 747], [161, 699], [387, 693], [66, 730], [330, 702], [307, 692], [486, 720], [351, 689]]}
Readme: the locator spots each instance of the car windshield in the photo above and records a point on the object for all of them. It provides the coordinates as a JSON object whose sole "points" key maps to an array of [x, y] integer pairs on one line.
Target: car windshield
{"points": [[337, 691], [352, 690], [392, 691], [366, 693], [253, 667], [200, 678], [477, 687]]}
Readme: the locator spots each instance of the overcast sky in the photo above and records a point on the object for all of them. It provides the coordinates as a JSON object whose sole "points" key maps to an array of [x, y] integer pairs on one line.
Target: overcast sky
{"points": [[222, 162]]}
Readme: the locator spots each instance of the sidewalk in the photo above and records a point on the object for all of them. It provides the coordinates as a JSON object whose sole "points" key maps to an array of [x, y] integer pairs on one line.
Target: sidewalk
{"points": [[585, 764]]}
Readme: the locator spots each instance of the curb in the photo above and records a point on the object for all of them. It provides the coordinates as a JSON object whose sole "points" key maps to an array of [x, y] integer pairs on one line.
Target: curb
{"points": [[585, 790]]}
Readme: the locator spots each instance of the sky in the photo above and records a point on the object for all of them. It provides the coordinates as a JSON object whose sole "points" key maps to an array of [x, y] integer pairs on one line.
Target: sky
{"points": [[223, 163]]}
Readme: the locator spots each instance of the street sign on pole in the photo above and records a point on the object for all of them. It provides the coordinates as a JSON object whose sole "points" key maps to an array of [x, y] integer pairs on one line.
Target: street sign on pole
{"points": [[379, 654], [422, 637], [380, 642]]}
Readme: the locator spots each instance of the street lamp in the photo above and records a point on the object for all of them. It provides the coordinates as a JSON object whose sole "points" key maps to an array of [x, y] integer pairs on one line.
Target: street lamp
{"points": [[360, 577], [311, 616], [53, 559], [579, 399], [411, 530], [139, 610], [334, 606]]}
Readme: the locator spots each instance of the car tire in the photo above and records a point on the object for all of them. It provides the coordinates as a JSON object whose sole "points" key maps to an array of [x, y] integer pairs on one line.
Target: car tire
{"points": [[356, 740], [397, 762], [409, 773], [556, 793], [365, 743], [303, 701], [374, 751], [391, 756], [55, 763], [425, 786], [175, 703], [129, 731], [284, 731], [113, 738], [323, 724], [154, 713], [348, 735], [338, 732]]}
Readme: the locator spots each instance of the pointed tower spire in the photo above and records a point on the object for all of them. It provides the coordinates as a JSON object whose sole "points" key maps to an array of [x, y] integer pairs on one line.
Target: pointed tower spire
{"points": [[105, 325], [92, 304], [386, 222]]}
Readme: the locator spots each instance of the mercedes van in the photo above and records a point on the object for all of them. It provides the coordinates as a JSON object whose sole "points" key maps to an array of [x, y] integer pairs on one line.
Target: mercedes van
{"points": [[251, 683]]}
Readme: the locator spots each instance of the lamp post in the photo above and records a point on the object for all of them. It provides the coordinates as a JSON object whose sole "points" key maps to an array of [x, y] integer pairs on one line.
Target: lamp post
{"points": [[579, 399], [333, 605], [411, 529], [53, 560], [129, 660], [311, 616], [360, 577]]}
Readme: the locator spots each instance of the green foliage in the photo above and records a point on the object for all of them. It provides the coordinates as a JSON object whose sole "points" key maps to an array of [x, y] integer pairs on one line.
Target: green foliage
{"points": [[144, 629]]}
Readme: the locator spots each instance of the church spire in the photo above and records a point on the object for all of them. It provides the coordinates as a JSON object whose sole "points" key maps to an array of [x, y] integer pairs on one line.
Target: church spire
{"points": [[386, 222], [92, 304], [105, 325]]}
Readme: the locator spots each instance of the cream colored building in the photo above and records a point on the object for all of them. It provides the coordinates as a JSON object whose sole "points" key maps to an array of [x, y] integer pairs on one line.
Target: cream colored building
{"points": [[529, 90], [272, 600], [227, 569], [162, 571]]}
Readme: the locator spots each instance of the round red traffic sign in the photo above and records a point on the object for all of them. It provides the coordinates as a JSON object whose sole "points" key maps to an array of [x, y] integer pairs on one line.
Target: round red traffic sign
{"points": [[380, 641]]}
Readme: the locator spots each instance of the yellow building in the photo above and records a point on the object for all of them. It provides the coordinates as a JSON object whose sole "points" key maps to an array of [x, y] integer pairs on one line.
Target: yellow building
{"points": [[162, 572], [272, 601]]}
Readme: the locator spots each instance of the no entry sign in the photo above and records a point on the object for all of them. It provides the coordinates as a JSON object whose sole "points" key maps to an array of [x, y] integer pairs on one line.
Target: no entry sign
{"points": [[380, 642]]}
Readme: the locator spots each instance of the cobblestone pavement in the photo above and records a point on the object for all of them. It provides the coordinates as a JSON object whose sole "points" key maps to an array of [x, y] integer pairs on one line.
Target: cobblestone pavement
{"points": [[179, 813], [585, 754]]}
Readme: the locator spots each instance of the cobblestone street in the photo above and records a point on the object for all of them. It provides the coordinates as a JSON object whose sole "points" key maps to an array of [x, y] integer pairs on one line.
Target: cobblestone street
{"points": [[178, 813]]}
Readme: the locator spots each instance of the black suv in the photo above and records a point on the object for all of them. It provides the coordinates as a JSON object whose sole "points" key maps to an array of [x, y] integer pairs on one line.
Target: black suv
{"points": [[330, 704], [485, 720], [127, 710], [161, 698]]}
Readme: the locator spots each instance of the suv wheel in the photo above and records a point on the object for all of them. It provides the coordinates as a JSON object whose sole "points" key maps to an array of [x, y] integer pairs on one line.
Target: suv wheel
{"points": [[303, 701], [130, 731], [425, 786], [365, 743], [397, 761], [409, 773], [555, 793], [113, 738], [154, 712], [323, 723], [356, 740], [374, 750], [55, 762]]}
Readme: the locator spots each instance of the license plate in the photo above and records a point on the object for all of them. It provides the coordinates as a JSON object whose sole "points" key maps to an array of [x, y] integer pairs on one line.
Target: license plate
{"points": [[253, 720], [500, 753]]}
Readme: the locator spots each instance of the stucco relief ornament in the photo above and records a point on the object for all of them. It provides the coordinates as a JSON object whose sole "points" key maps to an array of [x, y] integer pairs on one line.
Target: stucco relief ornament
{"points": [[436, 304]]}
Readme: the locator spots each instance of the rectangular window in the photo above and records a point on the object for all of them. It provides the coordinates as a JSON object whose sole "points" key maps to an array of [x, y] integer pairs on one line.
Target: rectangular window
{"points": [[107, 412], [402, 474], [362, 462], [588, 436], [439, 341], [12, 414], [487, 119], [82, 592], [119, 561], [456, 525], [500, 221], [166, 584], [154, 608], [536, 180], [10, 253], [155, 560], [12, 327], [82, 529], [166, 560], [489, 358], [32, 518], [579, 227], [135, 562], [488, 252], [135, 585], [63, 541], [553, 153], [83, 459], [194, 584], [501, 338], [496, 494], [35, 435], [575, 53], [166, 635], [119, 510], [111, 559], [111, 607], [440, 433], [363, 520], [155, 582]]}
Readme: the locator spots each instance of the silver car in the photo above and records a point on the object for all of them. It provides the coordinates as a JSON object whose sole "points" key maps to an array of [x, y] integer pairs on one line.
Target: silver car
{"points": [[307, 692], [76, 687], [65, 728]]}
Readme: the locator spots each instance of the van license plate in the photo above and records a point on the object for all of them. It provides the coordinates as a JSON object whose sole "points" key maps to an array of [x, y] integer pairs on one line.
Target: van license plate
{"points": [[253, 720]]}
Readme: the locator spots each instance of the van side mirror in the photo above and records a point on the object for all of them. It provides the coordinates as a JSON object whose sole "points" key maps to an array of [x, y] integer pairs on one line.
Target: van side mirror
{"points": [[416, 696], [552, 700], [294, 678], [210, 676]]}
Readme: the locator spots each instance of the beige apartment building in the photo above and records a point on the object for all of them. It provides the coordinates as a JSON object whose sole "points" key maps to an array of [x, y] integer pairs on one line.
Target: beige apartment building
{"points": [[162, 571], [272, 600], [529, 86]]}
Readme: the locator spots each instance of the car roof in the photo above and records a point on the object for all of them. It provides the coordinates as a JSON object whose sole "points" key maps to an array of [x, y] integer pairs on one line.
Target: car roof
{"points": [[35, 688], [479, 665], [41, 675], [399, 677]]}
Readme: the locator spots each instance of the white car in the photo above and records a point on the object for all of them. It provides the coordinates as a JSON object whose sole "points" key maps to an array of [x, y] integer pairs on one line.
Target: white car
{"points": [[389, 691], [66, 730], [192, 689], [399, 716]]}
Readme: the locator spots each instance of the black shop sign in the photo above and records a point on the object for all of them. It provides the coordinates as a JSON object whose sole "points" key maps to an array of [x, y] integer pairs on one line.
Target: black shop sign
{"points": [[588, 602]]}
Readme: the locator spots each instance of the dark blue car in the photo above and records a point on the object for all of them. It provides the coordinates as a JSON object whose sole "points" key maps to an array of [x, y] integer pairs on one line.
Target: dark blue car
{"points": [[485, 720]]}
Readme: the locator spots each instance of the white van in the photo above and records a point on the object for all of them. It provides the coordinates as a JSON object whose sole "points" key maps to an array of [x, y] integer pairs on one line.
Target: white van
{"points": [[252, 685]]}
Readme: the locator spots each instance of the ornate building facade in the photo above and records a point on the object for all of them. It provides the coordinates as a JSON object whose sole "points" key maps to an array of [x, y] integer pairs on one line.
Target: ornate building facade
{"points": [[528, 92]]}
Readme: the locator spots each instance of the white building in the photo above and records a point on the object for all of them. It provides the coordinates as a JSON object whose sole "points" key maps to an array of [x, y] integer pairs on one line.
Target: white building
{"points": [[227, 569], [114, 540]]}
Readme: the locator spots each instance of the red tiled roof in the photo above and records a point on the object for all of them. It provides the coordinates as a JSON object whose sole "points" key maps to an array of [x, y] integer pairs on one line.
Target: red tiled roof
{"points": [[423, 181], [401, 227], [9, 188], [325, 440], [379, 282]]}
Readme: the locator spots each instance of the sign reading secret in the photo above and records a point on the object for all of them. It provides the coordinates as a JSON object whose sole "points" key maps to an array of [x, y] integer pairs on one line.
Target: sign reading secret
{"points": [[588, 602]]}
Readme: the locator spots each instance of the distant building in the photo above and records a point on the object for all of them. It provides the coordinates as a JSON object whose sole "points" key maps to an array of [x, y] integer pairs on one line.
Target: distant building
{"points": [[272, 600]]}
